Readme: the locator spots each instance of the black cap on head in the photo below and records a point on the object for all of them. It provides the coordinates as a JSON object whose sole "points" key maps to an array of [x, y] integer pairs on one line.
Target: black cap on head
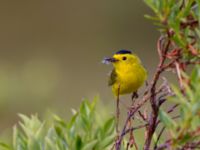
{"points": [[123, 51]]}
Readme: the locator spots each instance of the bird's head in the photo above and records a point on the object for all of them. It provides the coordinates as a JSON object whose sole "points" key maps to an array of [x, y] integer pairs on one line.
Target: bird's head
{"points": [[122, 57]]}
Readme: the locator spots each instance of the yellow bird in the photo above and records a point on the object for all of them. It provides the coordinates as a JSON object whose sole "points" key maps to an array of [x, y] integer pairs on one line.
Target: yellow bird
{"points": [[128, 74]]}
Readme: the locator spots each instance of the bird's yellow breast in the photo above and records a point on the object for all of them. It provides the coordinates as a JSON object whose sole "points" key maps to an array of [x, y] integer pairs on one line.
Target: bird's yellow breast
{"points": [[129, 78]]}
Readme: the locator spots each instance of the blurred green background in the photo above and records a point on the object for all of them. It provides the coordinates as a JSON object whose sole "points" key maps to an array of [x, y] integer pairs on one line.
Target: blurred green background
{"points": [[51, 51]]}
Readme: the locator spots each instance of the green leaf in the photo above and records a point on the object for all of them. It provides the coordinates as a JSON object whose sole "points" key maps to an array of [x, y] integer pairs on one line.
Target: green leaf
{"points": [[59, 131], [85, 108], [189, 92], [85, 122], [15, 137], [180, 97], [179, 39], [94, 103], [195, 75], [72, 121], [24, 118], [195, 108], [90, 145], [106, 142], [40, 132], [49, 145], [109, 126], [186, 10], [166, 120], [151, 17], [185, 138], [152, 5], [59, 120], [33, 143], [5, 146], [78, 143]]}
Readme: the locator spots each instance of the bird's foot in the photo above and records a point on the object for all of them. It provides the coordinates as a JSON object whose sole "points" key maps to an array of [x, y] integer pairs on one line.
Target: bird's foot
{"points": [[134, 95]]}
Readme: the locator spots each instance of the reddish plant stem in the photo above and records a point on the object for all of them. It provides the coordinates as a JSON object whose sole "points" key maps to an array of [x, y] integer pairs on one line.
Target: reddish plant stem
{"points": [[154, 105], [192, 146]]}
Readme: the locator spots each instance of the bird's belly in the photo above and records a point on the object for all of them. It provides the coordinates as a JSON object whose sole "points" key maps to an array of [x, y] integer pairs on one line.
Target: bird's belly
{"points": [[128, 83]]}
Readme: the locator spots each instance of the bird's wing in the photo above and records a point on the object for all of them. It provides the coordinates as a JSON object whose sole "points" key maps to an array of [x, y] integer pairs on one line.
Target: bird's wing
{"points": [[113, 78]]}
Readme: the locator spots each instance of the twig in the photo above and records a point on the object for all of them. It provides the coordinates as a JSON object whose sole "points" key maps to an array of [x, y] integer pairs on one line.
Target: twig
{"points": [[192, 62], [142, 116], [159, 136], [165, 145], [159, 43], [131, 138], [172, 108], [193, 145], [117, 116], [117, 111], [135, 128]]}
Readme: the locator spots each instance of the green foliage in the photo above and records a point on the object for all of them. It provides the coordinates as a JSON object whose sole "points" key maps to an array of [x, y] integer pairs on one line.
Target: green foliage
{"points": [[186, 128], [81, 132], [168, 122], [178, 22], [180, 18]]}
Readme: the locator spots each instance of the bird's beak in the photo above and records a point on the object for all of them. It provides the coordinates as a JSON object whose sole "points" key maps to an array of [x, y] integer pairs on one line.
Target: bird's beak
{"points": [[109, 60]]}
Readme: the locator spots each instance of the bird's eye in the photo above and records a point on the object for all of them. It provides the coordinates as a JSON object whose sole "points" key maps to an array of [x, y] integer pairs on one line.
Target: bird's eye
{"points": [[124, 58]]}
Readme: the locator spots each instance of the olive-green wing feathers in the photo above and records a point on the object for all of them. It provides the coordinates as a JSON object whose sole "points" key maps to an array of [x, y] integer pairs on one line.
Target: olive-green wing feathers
{"points": [[113, 77]]}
